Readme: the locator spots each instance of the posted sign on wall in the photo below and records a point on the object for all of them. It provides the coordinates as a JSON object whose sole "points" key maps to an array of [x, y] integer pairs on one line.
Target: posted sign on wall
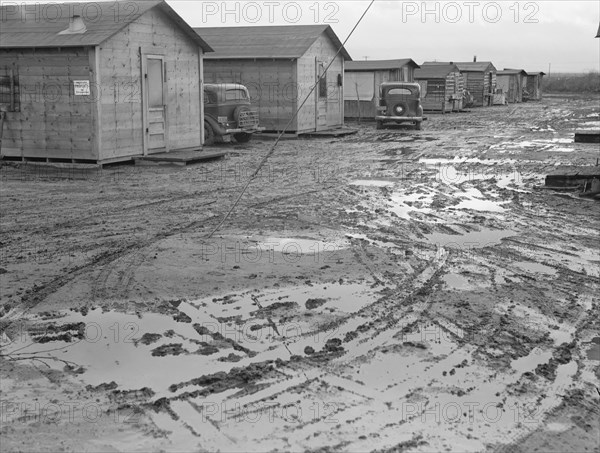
{"points": [[81, 87]]}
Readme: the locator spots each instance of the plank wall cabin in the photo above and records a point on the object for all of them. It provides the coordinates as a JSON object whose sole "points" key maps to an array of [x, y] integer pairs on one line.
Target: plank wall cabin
{"points": [[99, 82], [441, 87], [534, 85], [280, 65], [480, 80], [510, 81], [362, 80]]}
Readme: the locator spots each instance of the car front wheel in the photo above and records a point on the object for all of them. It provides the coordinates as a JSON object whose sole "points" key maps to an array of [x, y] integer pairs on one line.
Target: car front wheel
{"points": [[418, 126], [379, 125], [242, 137]]}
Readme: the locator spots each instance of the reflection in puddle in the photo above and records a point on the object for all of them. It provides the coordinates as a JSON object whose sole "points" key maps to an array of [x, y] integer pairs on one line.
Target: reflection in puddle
{"points": [[473, 239]]}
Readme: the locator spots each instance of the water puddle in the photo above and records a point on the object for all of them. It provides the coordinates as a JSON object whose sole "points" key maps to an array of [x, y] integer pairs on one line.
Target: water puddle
{"points": [[536, 268], [530, 362], [474, 239], [296, 246], [372, 182], [402, 204], [456, 281], [189, 338], [593, 352]]}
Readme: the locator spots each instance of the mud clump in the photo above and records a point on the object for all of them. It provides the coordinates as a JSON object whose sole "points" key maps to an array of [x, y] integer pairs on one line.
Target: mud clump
{"points": [[53, 332], [102, 387], [561, 356], [311, 304], [182, 317], [221, 381], [149, 338], [169, 349], [309, 350]]}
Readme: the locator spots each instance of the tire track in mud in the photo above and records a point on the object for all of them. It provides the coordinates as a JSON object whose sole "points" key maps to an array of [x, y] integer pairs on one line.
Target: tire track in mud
{"points": [[299, 375], [41, 292]]}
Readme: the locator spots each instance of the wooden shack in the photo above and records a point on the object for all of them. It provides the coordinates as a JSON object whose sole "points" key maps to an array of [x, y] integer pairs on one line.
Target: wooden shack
{"points": [[99, 82], [533, 89], [510, 81], [362, 80], [441, 87], [280, 65], [480, 81]]}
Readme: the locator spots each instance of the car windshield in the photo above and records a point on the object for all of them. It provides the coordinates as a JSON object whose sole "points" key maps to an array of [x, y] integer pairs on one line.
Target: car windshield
{"points": [[235, 95]]}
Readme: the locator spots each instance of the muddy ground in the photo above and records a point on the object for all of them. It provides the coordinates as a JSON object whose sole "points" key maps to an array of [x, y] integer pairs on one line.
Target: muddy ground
{"points": [[391, 290]]}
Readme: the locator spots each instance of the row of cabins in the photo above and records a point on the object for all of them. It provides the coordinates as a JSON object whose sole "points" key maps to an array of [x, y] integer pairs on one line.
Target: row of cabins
{"points": [[104, 82], [444, 85]]}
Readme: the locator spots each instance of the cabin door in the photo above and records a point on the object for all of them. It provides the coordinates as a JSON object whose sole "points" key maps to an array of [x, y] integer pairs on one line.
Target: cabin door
{"points": [[155, 108], [321, 94]]}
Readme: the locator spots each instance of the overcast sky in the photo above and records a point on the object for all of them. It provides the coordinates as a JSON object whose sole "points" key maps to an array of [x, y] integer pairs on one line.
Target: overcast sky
{"points": [[512, 34], [528, 35]]}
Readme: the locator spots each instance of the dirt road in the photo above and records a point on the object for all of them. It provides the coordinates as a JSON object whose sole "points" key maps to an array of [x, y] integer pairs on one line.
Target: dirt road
{"points": [[392, 290]]}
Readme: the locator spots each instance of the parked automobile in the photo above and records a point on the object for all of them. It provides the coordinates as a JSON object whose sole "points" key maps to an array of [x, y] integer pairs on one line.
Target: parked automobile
{"points": [[399, 102], [227, 113]]}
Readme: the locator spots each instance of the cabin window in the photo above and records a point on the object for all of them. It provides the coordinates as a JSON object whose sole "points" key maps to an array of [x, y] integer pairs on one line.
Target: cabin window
{"points": [[9, 90], [235, 95], [322, 81]]}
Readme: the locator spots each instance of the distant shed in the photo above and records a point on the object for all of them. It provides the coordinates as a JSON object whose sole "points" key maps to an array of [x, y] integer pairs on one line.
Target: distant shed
{"points": [[480, 80], [510, 81], [280, 65], [441, 87], [362, 80], [534, 86], [101, 82]]}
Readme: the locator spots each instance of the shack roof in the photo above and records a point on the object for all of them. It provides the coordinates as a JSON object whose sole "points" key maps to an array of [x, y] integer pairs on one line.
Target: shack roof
{"points": [[379, 65], [507, 71], [435, 71], [281, 41], [40, 25], [467, 66]]}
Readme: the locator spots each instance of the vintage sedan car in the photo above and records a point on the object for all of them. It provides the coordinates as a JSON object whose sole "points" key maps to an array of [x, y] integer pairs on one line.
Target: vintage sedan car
{"points": [[399, 103], [227, 113]]}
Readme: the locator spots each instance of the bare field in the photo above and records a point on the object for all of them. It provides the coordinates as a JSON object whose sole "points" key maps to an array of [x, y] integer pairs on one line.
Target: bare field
{"points": [[393, 290]]}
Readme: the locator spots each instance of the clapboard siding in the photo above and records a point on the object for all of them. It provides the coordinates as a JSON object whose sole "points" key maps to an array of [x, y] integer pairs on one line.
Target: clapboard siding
{"points": [[51, 122]]}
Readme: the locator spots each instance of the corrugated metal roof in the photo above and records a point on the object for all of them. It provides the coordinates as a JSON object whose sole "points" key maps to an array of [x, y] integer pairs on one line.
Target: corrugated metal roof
{"points": [[39, 25], [286, 41], [435, 71], [466, 66], [378, 65]]}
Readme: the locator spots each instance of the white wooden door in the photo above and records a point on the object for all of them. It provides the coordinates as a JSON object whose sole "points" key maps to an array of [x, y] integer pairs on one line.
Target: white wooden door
{"points": [[156, 124]]}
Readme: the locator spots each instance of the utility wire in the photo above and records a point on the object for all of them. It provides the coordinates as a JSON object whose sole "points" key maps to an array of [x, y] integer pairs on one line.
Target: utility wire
{"points": [[272, 150]]}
